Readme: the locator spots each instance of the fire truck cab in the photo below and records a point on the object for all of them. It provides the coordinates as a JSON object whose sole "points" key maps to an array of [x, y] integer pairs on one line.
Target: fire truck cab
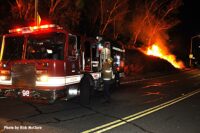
{"points": [[47, 63]]}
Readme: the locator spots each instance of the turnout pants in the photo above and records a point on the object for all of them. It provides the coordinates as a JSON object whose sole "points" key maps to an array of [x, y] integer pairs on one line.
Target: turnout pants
{"points": [[107, 85]]}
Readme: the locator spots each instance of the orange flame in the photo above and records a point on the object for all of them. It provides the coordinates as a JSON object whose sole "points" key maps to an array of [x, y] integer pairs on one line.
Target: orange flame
{"points": [[155, 50]]}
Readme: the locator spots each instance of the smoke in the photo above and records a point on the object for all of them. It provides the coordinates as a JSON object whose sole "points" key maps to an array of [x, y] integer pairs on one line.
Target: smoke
{"points": [[152, 20]]}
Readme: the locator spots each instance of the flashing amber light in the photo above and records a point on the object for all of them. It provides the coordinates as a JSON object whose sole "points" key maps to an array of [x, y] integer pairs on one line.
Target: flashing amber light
{"points": [[4, 72], [34, 27], [44, 26], [18, 30]]}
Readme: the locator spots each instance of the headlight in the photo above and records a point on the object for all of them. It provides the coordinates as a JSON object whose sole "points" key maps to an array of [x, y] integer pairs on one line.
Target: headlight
{"points": [[43, 78], [4, 77]]}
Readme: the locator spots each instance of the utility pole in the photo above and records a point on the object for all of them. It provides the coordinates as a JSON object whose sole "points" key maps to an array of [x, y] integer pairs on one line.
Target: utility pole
{"points": [[36, 13], [102, 15]]}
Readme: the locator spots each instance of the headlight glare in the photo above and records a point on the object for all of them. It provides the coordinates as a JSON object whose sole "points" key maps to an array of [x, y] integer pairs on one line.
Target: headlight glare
{"points": [[4, 77], [43, 78]]}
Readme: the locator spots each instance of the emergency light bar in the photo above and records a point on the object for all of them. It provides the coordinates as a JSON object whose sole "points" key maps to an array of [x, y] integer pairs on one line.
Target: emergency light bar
{"points": [[34, 28]]}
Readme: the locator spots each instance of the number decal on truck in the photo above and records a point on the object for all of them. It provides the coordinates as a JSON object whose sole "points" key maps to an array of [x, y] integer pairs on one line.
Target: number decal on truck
{"points": [[25, 93]]}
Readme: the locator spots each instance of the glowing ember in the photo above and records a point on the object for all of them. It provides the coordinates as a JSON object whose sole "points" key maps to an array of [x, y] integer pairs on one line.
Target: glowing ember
{"points": [[156, 51]]}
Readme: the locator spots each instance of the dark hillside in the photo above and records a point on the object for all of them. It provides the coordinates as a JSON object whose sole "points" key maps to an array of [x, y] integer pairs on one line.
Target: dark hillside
{"points": [[139, 63]]}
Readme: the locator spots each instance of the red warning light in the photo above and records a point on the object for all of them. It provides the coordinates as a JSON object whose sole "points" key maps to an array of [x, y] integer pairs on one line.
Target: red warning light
{"points": [[34, 28]]}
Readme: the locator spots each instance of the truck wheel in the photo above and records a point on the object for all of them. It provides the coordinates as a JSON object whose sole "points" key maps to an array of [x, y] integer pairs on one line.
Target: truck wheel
{"points": [[85, 91], [1, 93], [51, 101]]}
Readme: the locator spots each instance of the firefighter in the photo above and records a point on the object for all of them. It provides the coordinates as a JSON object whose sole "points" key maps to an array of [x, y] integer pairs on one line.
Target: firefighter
{"points": [[107, 78]]}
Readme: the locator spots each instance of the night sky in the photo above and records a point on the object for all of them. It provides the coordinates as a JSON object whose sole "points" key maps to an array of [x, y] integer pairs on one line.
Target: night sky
{"points": [[189, 14]]}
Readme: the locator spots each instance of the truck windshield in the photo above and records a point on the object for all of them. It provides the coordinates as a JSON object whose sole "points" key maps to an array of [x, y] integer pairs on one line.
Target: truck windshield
{"points": [[46, 46], [13, 48]]}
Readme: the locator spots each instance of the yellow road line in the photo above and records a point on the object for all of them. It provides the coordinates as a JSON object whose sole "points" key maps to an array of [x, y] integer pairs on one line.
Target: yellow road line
{"points": [[121, 120], [138, 115]]}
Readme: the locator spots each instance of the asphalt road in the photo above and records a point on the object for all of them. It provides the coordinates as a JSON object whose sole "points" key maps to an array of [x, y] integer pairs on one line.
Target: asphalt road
{"points": [[165, 104]]}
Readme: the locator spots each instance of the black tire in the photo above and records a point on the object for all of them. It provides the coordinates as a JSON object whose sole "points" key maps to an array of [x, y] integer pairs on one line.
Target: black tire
{"points": [[51, 101], [85, 91], [1, 93]]}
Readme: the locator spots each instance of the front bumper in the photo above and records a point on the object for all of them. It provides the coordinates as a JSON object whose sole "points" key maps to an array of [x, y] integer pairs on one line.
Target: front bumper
{"points": [[33, 94]]}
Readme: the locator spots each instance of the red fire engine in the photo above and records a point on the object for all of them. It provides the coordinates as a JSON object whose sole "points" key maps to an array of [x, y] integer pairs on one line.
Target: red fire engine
{"points": [[48, 63]]}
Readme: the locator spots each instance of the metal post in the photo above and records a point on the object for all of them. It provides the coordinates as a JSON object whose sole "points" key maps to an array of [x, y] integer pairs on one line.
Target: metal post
{"points": [[191, 47], [190, 53]]}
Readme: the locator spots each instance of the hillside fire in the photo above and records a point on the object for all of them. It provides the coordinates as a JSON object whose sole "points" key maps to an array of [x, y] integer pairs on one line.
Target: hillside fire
{"points": [[156, 50], [150, 27]]}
